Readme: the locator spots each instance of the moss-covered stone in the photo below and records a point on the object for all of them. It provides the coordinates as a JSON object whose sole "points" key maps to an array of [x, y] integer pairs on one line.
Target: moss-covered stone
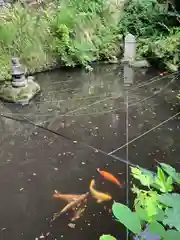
{"points": [[137, 63], [20, 95]]}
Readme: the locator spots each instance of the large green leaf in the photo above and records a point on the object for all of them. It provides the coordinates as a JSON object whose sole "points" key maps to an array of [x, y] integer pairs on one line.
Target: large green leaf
{"points": [[171, 172], [156, 228], [172, 235], [159, 216], [141, 212], [171, 200], [128, 218], [172, 218], [107, 237]]}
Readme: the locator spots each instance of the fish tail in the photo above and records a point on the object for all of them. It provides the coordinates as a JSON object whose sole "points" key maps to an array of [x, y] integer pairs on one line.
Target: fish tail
{"points": [[92, 183]]}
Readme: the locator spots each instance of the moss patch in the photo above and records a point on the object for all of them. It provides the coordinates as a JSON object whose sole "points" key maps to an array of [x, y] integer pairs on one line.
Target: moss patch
{"points": [[19, 95]]}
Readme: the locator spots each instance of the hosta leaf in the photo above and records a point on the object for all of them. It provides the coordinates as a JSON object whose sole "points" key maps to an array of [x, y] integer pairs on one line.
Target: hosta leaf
{"points": [[156, 228], [171, 172], [171, 234], [172, 218], [107, 237], [128, 218], [171, 200]]}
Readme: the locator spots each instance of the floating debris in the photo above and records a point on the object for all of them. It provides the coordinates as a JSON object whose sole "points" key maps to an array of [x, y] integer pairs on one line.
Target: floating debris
{"points": [[21, 189], [42, 236], [71, 225]]}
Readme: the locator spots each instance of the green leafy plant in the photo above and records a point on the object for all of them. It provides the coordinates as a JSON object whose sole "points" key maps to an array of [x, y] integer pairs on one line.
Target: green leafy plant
{"points": [[107, 237], [155, 23], [156, 208]]}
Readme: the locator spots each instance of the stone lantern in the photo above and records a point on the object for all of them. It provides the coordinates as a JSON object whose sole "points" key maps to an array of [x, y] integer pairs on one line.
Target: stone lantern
{"points": [[18, 74], [130, 48], [20, 89]]}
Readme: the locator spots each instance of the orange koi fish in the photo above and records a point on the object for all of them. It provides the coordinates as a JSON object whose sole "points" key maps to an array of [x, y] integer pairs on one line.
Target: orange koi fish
{"points": [[99, 196], [108, 176]]}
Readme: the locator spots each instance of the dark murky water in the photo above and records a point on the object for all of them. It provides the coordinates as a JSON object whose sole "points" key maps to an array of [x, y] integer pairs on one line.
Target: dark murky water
{"points": [[92, 108]]}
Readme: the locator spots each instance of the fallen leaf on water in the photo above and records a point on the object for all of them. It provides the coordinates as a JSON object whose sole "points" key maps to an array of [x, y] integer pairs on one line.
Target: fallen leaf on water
{"points": [[71, 225], [42, 236]]}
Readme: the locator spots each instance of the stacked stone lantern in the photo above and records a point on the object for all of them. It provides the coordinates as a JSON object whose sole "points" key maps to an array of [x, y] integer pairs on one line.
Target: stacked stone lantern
{"points": [[20, 89], [18, 74]]}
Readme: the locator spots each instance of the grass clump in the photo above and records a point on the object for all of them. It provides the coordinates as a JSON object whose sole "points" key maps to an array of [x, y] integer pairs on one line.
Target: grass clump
{"points": [[83, 34], [68, 32]]}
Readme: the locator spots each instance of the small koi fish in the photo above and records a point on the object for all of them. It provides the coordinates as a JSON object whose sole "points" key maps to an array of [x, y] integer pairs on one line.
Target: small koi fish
{"points": [[108, 176], [99, 196], [72, 204], [66, 197]]}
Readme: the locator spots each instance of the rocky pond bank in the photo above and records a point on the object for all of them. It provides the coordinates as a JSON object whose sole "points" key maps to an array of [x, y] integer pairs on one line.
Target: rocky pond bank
{"points": [[74, 32]]}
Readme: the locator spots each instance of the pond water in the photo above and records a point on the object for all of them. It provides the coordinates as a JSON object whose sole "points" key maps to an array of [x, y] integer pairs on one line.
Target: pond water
{"points": [[94, 108]]}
